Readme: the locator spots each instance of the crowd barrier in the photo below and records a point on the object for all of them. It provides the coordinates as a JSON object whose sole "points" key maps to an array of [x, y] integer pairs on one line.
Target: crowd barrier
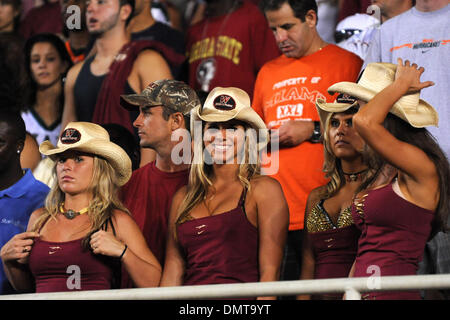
{"points": [[353, 287]]}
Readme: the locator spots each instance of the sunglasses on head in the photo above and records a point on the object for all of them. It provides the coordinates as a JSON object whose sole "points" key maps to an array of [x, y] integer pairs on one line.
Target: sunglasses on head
{"points": [[344, 34]]}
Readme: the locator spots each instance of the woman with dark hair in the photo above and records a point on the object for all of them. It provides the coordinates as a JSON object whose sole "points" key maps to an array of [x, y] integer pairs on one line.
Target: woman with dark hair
{"points": [[47, 62], [396, 219], [331, 238]]}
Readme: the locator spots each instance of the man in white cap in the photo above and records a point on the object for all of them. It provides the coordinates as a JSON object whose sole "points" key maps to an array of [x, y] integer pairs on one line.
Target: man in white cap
{"points": [[164, 108], [355, 33]]}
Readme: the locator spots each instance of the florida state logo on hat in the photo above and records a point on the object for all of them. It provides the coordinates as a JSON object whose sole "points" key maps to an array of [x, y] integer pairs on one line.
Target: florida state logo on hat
{"points": [[224, 102], [70, 136], [345, 98]]}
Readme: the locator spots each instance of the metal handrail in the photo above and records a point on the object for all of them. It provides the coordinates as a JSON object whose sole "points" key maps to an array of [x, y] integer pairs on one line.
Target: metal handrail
{"points": [[351, 286]]}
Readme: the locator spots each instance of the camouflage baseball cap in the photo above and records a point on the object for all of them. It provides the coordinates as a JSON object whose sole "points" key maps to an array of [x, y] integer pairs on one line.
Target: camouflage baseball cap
{"points": [[172, 94]]}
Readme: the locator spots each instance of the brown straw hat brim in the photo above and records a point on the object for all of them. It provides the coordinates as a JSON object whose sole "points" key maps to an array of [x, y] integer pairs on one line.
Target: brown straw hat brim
{"points": [[114, 154]]}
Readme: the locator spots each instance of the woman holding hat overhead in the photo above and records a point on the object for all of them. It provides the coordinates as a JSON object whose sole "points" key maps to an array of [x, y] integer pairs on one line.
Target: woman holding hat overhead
{"points": [[331, 240], [78, 240], [229, 224], [397, 219]]}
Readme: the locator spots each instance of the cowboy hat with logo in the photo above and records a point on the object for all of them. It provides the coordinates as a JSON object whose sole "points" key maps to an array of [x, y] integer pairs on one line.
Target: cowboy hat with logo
{"points": [[343, 103], [224, 104], [94, 139], [377, 76]]}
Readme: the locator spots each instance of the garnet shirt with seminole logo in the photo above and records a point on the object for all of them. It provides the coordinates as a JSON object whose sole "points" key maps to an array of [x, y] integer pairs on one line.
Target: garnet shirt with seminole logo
{"points": [[229, 50]]}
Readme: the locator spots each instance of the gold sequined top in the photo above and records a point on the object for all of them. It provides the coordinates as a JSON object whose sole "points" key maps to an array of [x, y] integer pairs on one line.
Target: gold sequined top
{"points": [[318, 219], [359, 204]]}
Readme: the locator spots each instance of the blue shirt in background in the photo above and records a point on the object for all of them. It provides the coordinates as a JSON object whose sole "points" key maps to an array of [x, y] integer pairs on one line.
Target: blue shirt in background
{"points": [[16, 205]]}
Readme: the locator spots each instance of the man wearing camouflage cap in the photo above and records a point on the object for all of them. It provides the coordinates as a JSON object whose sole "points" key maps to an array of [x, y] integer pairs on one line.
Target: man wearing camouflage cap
{"points": [[164, 108]]}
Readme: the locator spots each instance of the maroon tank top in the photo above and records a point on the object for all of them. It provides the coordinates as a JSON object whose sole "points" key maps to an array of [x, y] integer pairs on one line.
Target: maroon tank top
{"points": [[222, 248], [333, 244], [67, 266], [394, 232], [334, 251]]}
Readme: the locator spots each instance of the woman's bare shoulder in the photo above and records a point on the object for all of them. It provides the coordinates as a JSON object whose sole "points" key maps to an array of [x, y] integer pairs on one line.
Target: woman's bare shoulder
{"points": [[264, 182], [180, 194], [35, 215], [316, 193]]}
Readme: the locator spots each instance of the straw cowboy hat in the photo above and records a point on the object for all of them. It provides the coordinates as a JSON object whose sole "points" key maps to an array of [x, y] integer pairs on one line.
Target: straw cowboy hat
{"points": [[224, 104], [343, 103], [377, 76], [91, 138]]}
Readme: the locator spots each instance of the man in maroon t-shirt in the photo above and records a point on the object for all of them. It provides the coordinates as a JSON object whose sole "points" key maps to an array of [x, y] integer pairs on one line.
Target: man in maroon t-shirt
{"points": [[229, 46], [164, 108], [42, 19]]}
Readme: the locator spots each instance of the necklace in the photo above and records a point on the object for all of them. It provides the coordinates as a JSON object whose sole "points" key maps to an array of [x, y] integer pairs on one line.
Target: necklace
{"points": [[70, 214], [205, 202], [353, 176]]}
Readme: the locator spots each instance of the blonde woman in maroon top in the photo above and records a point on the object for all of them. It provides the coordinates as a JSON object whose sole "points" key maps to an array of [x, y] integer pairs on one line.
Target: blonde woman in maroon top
{"points": [[76, 241], [230, 223]]}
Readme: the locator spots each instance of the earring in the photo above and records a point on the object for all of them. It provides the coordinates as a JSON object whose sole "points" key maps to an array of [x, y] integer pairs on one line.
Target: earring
{"points": [[18, 151]]}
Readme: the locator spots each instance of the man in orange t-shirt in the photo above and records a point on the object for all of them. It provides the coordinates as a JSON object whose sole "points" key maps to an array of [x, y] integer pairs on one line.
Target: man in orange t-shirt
{"points": [[285, 93]]}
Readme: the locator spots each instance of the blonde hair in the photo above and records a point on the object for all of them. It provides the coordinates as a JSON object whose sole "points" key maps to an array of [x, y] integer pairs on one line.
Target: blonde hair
{"points": [[105, 199], [201, 173]]}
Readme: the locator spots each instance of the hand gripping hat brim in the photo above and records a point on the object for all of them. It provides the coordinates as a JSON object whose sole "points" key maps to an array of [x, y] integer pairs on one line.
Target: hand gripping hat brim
{"points": [[94, 139], [225, 104], [377, 76]]}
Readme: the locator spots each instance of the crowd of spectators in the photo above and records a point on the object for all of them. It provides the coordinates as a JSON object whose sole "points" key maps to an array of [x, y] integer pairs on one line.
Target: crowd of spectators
{"points": [[309, 75]]}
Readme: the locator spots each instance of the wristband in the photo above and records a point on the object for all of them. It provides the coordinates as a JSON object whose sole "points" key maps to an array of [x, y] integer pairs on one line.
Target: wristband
{"points": [[316, 135], [123, 252]]}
